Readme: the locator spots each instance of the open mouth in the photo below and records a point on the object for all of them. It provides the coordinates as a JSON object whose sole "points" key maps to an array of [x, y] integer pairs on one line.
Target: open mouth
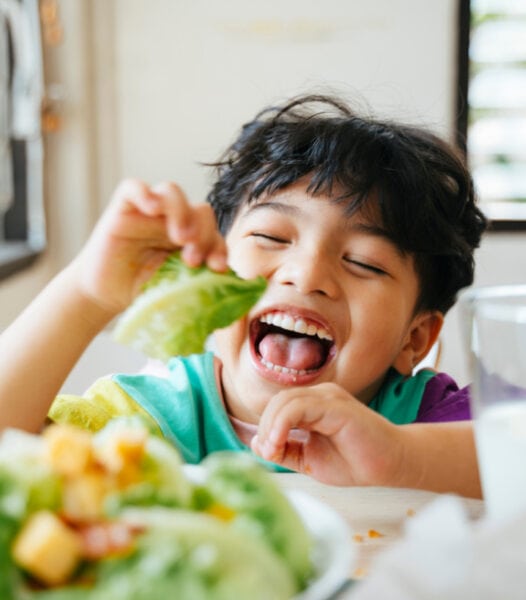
{"points": [[291, 345]]}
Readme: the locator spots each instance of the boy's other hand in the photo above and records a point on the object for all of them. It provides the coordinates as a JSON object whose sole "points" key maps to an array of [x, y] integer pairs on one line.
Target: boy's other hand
{"points": [[341, 441], [140, 228]]}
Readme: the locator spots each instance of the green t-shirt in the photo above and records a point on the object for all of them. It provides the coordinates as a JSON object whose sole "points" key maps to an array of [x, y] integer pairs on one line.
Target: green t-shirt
{"points": [[187, 408]]}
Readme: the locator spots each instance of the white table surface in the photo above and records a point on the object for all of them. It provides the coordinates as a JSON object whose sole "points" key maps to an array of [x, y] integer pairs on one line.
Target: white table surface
{"points": [[375, 515]]}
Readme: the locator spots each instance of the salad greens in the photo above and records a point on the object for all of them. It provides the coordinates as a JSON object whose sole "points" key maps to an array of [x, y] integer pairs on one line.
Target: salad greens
{"points": [[180, 306], [200, 557], [228, 533], [27, 483], [260, 508]]}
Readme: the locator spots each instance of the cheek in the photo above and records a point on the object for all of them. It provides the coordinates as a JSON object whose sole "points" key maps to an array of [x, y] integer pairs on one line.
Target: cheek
{"points": [[228, 341], [245, 260], [378, 330]]}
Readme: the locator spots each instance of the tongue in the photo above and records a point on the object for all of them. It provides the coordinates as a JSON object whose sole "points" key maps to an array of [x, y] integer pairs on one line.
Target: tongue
{"points": [[300, 353]]}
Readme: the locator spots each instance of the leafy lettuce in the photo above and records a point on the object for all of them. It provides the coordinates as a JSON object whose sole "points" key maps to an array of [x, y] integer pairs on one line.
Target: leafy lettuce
{"points": [[180, 306]]}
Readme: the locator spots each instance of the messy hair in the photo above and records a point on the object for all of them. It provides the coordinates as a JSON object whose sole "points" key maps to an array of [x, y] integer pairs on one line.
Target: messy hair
{"points": [[421, 187]]}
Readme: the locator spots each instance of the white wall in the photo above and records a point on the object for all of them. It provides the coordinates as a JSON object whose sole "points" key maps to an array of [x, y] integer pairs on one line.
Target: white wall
{"points": [[189, 73], [153, 87]]}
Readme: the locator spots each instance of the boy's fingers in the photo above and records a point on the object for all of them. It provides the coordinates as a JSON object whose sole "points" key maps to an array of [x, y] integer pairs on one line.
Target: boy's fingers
{"points": [[285, 412], [309, 409], [163, 215], [180, 221], [193, 228], [217, 258], [288, 455], [269, 418], [207, 245], [135, 194]]}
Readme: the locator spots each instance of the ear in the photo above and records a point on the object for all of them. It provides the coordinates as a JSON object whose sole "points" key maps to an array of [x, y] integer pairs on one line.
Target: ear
{"points": [[422, 334]]}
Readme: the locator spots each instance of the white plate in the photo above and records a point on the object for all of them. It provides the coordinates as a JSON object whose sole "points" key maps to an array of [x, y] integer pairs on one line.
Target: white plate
{"points": [[334, 553]]}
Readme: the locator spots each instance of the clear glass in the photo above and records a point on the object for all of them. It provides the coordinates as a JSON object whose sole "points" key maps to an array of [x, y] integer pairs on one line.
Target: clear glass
{"points": [[494, 321]]}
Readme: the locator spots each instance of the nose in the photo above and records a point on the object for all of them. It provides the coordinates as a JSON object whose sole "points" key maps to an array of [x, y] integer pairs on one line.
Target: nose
{"points": [[309, 272]]}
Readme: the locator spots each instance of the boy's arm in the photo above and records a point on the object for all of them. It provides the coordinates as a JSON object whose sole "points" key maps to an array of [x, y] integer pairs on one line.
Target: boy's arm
{"points": [[440, 457], [140, 227], [40, 348], [346, 443]]}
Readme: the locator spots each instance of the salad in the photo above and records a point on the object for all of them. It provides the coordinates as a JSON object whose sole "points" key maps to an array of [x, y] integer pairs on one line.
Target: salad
{"points": [[114, 514], [180, 306]]}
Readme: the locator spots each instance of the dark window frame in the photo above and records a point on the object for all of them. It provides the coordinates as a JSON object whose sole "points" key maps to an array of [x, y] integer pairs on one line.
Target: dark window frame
{"points": [[20, 245], [16, 249], [462, 106]]}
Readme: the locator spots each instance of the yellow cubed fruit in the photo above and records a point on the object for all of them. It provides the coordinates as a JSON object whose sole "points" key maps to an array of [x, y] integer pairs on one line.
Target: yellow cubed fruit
{"points": [[47, 549], [221, 511], [83, 497], [123, 448], [68, 449]]}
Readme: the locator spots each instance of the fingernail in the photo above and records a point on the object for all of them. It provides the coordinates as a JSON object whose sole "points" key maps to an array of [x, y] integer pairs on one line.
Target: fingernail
{"points": [[187, 231], [152, 199], [192, 255], [269, 450], [274, 436], [217, 263]]}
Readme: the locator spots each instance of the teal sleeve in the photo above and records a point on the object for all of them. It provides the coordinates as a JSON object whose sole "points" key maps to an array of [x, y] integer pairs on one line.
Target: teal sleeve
{"points": [[400, 397], [188, 408]]}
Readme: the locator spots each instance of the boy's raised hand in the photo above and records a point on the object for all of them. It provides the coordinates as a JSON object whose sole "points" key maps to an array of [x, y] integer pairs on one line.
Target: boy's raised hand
{"points": [[342, 441], [140, 227]]}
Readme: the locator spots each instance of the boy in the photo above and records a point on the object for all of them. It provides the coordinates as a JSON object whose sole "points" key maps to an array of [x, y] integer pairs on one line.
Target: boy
{"points": [[365, 232]]}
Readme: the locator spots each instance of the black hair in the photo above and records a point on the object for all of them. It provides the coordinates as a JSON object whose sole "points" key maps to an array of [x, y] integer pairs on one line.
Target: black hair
{"points": [[420, 183]]}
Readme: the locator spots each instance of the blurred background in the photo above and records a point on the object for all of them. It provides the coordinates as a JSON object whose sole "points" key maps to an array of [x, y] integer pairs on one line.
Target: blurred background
{"points": [[92, 91]]}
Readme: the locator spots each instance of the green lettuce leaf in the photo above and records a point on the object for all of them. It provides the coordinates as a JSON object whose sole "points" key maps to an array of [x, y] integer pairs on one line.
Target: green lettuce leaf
{"points": [[237, 481], [195, 556], [180, 306]]}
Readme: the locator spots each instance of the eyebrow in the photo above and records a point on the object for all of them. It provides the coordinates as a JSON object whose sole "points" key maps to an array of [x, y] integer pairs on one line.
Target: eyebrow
{"points": [[372, 229], [286, 209], [365, 227]]}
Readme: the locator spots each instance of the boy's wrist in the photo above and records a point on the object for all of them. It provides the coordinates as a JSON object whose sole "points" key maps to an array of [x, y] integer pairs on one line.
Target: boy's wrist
{"points": [[94, 314], [406, 466], [398, 455], [428, 458]]}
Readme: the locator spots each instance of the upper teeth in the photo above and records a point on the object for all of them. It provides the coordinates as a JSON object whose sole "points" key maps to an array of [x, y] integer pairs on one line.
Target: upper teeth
{"points": [[297, 325]]}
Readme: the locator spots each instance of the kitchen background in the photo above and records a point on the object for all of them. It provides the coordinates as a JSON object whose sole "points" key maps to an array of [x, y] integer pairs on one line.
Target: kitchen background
{"points": [[152, 88]]}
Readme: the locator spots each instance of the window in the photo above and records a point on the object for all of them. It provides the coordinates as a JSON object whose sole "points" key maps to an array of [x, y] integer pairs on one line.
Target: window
{"points": [[495, 88], [22, 225]]}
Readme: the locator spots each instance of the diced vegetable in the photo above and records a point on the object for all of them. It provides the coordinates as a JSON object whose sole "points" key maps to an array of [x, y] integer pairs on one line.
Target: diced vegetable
{"points": [[68, 449], [119, 447], [123, 520], [47, 548], [83, 497]]}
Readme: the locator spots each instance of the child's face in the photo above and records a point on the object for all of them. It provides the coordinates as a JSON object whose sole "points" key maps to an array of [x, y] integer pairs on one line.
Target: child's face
{"points": [[333, 277]]}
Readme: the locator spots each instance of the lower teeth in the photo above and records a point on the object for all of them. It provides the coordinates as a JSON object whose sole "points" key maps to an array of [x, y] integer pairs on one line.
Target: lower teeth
{"points": [[280, 369]]}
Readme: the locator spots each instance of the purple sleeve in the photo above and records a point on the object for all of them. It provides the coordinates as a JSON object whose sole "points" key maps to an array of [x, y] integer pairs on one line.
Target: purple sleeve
{"points": [[443, 401]]}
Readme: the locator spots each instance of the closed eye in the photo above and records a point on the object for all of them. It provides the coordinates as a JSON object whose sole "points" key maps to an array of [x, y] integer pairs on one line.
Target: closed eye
{"points": [[365, 266], [270, 238]]}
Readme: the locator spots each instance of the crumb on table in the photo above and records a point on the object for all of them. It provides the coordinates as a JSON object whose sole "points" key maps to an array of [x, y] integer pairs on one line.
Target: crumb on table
{"points": [[372, 533]]}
